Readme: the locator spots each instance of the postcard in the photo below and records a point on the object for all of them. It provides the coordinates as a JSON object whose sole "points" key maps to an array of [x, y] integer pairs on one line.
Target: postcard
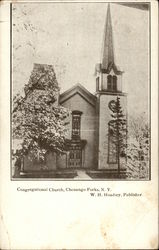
{"points": [[79, 115]]}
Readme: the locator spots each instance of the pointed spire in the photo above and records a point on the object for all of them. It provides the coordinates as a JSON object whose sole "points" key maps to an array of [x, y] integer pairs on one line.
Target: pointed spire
{"points": [[108, 50]]}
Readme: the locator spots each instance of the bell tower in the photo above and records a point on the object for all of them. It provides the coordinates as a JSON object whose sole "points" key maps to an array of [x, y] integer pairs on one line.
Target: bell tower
{"points": [[108, 88]]}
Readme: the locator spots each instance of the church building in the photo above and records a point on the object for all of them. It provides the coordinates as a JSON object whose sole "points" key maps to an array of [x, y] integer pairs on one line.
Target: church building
{"points": [[89, 144]]}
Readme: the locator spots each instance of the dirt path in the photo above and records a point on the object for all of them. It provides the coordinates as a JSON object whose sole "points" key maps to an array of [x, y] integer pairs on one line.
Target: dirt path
{"points": [[81, 174]]}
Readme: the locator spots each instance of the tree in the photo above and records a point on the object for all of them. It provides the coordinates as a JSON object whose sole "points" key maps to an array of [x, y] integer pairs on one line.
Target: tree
{"points": [[138, 147], [37, 118], [118, 130]]}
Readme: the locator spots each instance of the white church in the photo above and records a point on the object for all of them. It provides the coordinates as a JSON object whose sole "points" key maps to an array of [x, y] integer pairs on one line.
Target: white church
{"points": [[89, 145]]}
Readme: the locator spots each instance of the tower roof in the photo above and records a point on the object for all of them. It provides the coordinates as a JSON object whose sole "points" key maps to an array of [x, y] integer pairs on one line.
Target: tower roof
{"points": [[108, 49], [108, 61]]}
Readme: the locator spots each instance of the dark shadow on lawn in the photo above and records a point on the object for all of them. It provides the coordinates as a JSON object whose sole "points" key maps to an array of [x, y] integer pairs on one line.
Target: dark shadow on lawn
{"points": [[55, 174]]}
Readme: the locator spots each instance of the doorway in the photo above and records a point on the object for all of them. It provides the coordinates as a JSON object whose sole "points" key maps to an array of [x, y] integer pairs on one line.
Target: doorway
{"points": [[75, 159]]}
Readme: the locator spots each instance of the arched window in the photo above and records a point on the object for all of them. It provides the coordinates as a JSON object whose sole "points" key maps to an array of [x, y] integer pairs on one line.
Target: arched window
{"points": [[114, 83], [109, 82]]}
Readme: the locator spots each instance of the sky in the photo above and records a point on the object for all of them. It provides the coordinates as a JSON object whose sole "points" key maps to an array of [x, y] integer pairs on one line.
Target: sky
{"points": [[69, 36]]}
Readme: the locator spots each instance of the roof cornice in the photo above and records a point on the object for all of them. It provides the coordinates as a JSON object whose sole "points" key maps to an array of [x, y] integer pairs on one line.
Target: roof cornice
{"points": [[78, 89]]}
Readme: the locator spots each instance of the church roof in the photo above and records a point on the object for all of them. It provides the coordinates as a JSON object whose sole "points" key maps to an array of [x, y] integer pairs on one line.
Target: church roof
{"points": [[82, 91], [108, 61]]}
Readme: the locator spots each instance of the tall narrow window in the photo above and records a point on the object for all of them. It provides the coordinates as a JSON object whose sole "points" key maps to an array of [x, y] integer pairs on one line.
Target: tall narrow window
{"points": [[97, 83], [112, 147], [109, 82], [114, 83], [76, 124]]}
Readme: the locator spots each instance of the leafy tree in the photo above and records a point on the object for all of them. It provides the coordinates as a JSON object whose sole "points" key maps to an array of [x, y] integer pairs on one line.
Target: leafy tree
{"points": [[37, 118], [138, 147], [118, 129]]}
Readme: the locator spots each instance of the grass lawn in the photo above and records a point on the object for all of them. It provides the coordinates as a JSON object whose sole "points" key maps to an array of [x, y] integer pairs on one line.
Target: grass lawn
{"points": [[45, 174], [104, 174]]}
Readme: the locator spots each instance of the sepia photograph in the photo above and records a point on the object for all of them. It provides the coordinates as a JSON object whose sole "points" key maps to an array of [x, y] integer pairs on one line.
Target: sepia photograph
{"points": [[80, 91], [79, 124]]}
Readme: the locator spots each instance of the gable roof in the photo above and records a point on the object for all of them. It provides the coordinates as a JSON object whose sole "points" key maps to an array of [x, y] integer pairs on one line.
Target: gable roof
{"points": [[78, 89]]}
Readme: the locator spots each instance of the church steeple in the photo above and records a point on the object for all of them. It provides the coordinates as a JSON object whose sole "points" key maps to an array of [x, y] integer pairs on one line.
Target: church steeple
{"points": [[108, 48], [108, 75], [108, 88]]}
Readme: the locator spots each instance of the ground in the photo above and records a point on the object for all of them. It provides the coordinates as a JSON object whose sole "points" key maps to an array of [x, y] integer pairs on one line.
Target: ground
{"points": [[76, 174]]}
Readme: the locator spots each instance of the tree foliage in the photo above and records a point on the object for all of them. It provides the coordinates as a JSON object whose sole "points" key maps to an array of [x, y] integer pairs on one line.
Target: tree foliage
{"points": [[37, 118], [118, 129], [138, 147]]}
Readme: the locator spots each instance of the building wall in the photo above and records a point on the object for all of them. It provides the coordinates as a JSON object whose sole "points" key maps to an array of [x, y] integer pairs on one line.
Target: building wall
{"points": [[88, 128], [105, 117]]}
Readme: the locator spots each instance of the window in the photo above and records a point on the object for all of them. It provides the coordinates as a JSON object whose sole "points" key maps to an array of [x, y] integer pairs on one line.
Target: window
{"points": [[97, 83], [114, 83], [112, 147], [76, 124], [109, 81]]}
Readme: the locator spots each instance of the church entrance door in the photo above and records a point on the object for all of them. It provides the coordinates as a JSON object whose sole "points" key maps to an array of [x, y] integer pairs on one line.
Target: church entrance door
{"points": [[75, 160]]}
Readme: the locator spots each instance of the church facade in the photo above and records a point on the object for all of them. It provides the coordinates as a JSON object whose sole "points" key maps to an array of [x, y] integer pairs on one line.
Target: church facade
{"points": [[89, 144]]}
